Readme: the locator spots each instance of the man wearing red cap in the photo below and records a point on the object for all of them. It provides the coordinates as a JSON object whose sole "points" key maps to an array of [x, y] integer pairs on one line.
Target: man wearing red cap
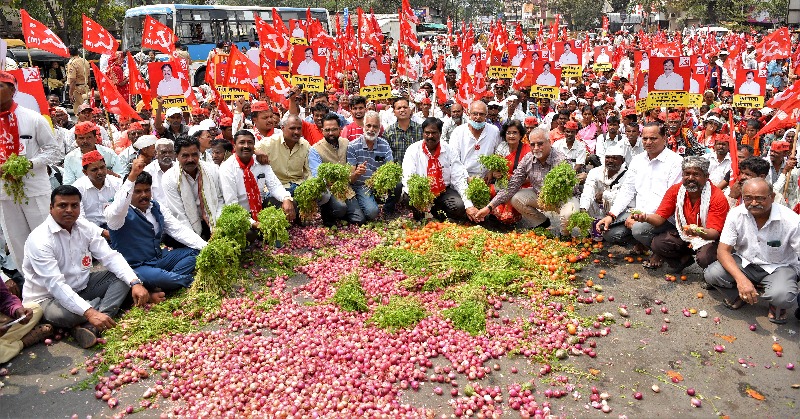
{"points": [[226, 129], [85, 139], [573, 149], [777, 158], [263, 123], [682, 140], [25, 133], [96, 187], [199, 114]]}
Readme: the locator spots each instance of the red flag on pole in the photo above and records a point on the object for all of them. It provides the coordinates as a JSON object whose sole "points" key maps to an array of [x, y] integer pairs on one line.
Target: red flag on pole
{"points": [[439, 81], [112, 99], [97, 39], [137, 84], [158, 36], [37, 35], [241, 72], [774, 46]]}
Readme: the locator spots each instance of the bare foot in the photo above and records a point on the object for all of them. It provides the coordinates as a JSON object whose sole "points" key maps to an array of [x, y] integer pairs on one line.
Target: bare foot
{"points": [[639, 249], [655, 262], [157, 296]]}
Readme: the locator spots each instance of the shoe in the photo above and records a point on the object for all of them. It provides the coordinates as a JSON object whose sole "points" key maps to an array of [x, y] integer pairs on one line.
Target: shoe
{"points": [[85, 335]]}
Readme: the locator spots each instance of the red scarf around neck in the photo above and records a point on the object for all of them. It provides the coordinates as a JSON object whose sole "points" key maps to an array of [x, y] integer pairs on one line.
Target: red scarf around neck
{"points": [[435, 169], [9, 133], [251, 186]]}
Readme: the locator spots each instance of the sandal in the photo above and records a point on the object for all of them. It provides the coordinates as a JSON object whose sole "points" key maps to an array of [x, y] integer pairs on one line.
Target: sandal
{"points": [[735, 305], [36, 335], [775, 315]]}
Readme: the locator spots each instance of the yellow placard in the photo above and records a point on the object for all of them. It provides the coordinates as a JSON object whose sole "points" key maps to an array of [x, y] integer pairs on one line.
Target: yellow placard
{"points": [[309, 83], [641, 105], [377, 92], [568, 71], [748, 101], [601, 67], [298, 41], [176, 101], [230, 94], [671, 98], [498, 72], [544, 92]]}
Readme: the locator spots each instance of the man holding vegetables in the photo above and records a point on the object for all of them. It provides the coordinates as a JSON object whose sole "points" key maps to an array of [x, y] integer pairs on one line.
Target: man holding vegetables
{"points": [[366, 154]]}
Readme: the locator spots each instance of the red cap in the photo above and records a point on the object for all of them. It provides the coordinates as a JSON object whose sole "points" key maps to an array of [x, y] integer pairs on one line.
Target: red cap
{"points": [[226, 122], [259, 106], [630, 103], [7, 77], [91, 157], [588, 95], [426, 101], [501, 82], [628, 90], [674, 115], [530, 120], [135, 127], [571, 125], [779, 146], [611, 100], [662, 116], [563, 90], [488, 94], [97, 111], [615, 78], [626, 112], [84, 127], [198, 111]]}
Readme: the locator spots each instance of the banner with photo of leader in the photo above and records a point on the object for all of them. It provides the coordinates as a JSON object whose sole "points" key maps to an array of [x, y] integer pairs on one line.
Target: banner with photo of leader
{"points": [[546, 73], [601, 55], [669, 74], [298, 32], [30, 90], [566, 53], [750, 87], [473, 61], [642, 85], [308, 66], [642, 58], [373, 73], [167, 80]]}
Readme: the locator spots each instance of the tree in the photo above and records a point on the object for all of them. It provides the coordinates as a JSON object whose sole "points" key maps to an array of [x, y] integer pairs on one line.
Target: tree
{"points": [[580, 14], [66, 21]]}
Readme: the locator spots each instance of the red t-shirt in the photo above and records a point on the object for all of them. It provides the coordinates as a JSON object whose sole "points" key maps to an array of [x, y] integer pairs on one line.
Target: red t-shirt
{"points": [[311, 133], [717, 210]]}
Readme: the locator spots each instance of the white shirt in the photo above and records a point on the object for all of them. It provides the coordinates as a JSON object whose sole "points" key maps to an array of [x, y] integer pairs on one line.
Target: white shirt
{"points": [[387, 117], [575, 155], [374, 78], [463, 145], [183, 197], [117, 211], [155, 171], [604, 143], [57, 263], [632, 150], [750, 88], [597, 180], [171, 87], [647, 181], [231, 180], [670, 81], [37, 142], [415, 162], [546, 79], [775, 245], [254, 55], [717, 169], [73, 168], [308, 68], [94, 201], [568, 58]]}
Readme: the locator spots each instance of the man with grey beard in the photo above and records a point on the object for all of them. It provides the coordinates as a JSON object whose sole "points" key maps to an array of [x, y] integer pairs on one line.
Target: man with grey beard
{"points": [[455, 119], [366, 154], [759, 245], [699, 209]]}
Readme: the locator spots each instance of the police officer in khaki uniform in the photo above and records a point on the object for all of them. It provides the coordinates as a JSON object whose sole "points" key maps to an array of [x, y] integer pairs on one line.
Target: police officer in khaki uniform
{"points": [[77, 79]]}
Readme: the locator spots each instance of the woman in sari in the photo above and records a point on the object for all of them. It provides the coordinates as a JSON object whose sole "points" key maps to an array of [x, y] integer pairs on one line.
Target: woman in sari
{"points": [[513, 148]]}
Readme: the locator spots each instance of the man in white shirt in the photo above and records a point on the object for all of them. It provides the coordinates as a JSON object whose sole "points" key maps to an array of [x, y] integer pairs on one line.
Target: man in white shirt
{"points": [[568, 57], [603, 182], [750, 87], [309, 67], [649, 176], [192, 189], [455, 120], [474, 139], [574, 150], [163, 161], [610, 139], [453, 61], [137, 226], [633, 146], [669, 80], [58, 276], [759, 244], [97, 188], [720, 163], [86, 141]]}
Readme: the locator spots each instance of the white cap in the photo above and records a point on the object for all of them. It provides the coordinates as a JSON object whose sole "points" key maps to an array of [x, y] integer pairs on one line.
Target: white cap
{"points": [[714, 118], [615, 150], [207, 124], [164, 141], [595, 86], [194, 129], [145, 141], [495, 103], [174, 111], [766, 111], [511, 97]]}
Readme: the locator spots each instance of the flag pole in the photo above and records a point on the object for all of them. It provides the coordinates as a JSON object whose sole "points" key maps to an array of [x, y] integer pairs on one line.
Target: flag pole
{"points": [[108, 129]]}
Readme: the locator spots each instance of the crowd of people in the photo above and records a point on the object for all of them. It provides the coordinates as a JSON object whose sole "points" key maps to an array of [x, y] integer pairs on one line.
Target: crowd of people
{"points": [[142, 197]]}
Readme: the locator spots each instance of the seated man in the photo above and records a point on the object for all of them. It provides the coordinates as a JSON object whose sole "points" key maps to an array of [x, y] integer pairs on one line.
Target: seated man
{"points": [[58, 276], [366, 154], [532, 168], [96, 187], [192, 189], [758, 245], [288, 156], [86, 141], [137, 225], [699, 209], [602, 183], [749, 168], [23, 334], [163, 161], [332, 150], [244, 181], [436, 160]]}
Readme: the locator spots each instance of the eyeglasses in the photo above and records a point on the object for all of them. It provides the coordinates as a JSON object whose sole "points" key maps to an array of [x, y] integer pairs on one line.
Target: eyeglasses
{"points": [[758, 199], [477, 114]]}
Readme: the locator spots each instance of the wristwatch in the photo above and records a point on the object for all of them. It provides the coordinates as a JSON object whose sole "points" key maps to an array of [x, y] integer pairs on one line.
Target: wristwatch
{"points": [[136, 281]]}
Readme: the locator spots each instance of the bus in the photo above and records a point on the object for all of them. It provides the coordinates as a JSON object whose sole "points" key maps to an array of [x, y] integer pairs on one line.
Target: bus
{"points": [[200, 27]]}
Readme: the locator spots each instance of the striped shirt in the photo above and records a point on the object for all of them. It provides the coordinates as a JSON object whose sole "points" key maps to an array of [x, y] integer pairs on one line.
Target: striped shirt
{"points": [[399, 140], [358, 152]]}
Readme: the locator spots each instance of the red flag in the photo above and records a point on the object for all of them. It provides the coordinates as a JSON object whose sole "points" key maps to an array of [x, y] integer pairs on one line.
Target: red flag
{"points": [[524, 76], [774, 46], [272, 38], [158, 36], [112, 99], [408, 36], [402, 63], [222, 107], [439, 82], [733, 147], [275, 85], [137, 84], [97, 39], [785, 117], [277, 22], [465, 94], [518, 33], [408, 13], [241, 72], [37, 35], [781, 98], [318, 38], [427, 60]]}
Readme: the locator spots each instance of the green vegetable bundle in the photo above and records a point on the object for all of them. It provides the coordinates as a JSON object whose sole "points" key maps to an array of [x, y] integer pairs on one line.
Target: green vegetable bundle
{"points": [[496, 163], [557, 187], [233, 224], [350, 295], [337, 177], [419, 193], [469, 316], [385, 179], [582, 221], [273, 225], [217, 266], [14, 169], [478, 192], [400, 313], [307, 194]]}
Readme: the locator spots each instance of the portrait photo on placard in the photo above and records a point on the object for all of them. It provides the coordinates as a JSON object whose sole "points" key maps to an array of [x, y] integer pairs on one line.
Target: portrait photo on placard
{"points": [[670, 74], [166, 79], [308, 61], [566, 53], [374, 71], [642, 58], [751, 82], [546, 73], [297, 29], [642, 85], [602, 54]]}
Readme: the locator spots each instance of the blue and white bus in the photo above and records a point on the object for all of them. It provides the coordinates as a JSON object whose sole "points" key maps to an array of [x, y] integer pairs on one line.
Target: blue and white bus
{"points": [[200, 27]]}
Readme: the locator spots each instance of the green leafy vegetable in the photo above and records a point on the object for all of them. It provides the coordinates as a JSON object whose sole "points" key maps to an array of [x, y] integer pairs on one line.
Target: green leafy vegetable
{"points": [[233, 224], [419, 193], [14, 169], [557, 187], [478, 192], [273, 225], [469, 316], [400, 313], [496, 163], [385, 179], [217, 266], [337, 177], [350, 295], [582, 221], [306, 196]]}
